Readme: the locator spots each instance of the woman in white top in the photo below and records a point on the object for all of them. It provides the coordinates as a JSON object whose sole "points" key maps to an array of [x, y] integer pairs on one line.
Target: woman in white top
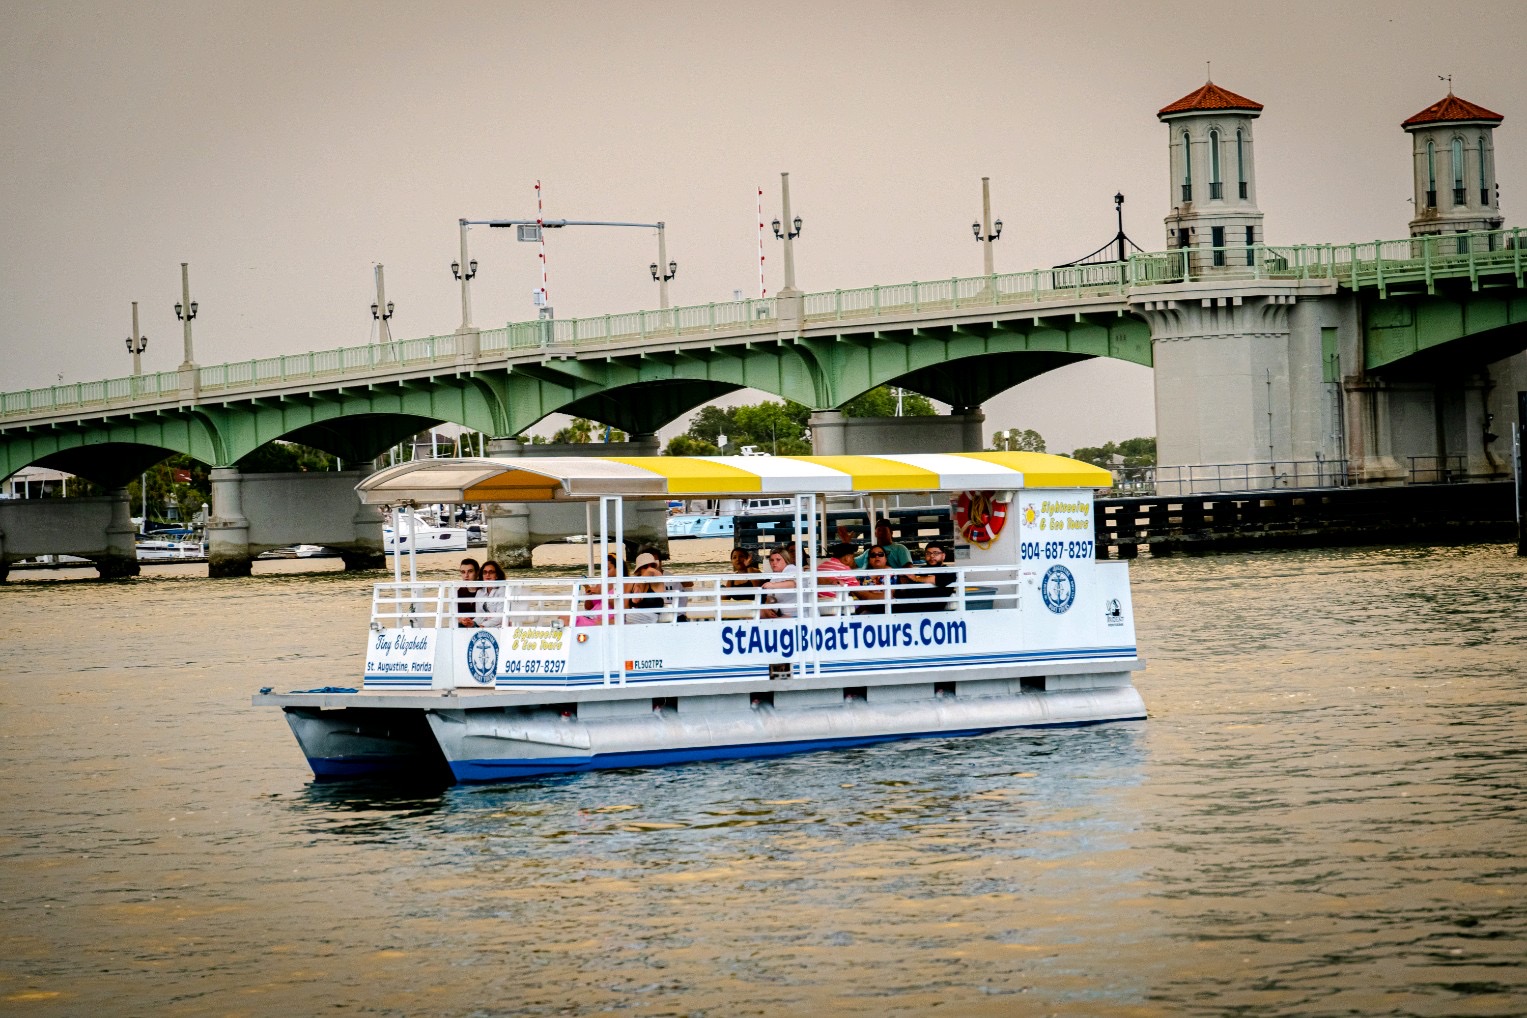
{"points": [[782, 592], [492, 596]]}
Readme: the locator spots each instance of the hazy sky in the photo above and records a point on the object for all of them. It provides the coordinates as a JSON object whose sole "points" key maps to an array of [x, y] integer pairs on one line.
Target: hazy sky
{"points": [[283, 148]]}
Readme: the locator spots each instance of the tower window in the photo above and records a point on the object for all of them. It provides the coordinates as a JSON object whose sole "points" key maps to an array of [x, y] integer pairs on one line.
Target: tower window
{"points": [[1240, 160], [1187, 167], [1217, 238], [1458, 189], [1484, 187], [1431, 175], [1216, 186], [1251, 255]]}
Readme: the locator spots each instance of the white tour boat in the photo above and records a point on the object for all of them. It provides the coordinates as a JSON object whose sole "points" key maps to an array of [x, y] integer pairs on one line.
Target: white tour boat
{"points": [[540, 676]]}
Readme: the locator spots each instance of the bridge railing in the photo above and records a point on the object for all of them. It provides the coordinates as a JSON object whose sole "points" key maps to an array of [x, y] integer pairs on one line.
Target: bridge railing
{"points": [[1379, 264], [1066, 282], [1266, 475]]}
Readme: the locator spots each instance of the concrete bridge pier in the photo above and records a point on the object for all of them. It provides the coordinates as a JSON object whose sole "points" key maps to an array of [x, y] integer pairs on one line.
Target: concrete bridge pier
{"points": [[228, 551], [256, 513], [833, 434], [516, 529], [99, 528], [121, 556]]}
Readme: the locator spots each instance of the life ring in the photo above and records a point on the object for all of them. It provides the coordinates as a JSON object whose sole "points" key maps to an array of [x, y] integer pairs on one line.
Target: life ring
{"points": [[979, 517]]}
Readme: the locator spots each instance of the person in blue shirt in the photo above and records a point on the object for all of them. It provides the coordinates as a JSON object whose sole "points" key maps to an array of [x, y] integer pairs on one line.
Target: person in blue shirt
{"points": [[896, 555]]}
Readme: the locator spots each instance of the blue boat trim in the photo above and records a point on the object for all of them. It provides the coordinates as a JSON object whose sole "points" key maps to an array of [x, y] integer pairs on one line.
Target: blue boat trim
{"points": [[516, 769], [761, 671]]}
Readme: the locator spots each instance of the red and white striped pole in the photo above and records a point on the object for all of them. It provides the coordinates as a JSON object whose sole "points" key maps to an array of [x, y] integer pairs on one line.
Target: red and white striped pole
{"points": [[541, 232], [762, 290]]}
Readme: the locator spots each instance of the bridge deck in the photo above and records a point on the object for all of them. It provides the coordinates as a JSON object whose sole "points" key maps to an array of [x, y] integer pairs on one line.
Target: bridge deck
{"points": [[1477, 257]]}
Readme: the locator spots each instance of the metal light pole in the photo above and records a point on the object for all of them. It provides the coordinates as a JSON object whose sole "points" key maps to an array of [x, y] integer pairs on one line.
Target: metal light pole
{"points": [[1118, 207], [663, 270], [381, 311], [789, 233], [186, 311], [136, 343], [983, 230], [464, 270]]}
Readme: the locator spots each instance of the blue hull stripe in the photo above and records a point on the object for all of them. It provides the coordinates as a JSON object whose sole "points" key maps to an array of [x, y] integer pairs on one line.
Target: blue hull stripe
{"points": [[514, 769], [761, 670]]}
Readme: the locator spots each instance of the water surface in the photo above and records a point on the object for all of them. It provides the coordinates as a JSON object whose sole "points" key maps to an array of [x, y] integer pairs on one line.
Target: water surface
{"points": [[1322, 816]]}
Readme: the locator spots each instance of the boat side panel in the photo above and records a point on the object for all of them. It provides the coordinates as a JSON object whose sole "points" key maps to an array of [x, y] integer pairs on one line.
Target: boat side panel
{"points": [[478, 771], [486, 745], [365, 742]]}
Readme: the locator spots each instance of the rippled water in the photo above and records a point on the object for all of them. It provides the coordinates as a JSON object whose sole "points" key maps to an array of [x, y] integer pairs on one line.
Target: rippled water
{"points": [[1323, 816]]}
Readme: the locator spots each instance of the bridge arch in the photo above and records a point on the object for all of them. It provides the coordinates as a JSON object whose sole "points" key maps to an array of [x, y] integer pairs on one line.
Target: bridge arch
{"points": [[1415, 334], [965, 366], [640, 393], [114, 451]]}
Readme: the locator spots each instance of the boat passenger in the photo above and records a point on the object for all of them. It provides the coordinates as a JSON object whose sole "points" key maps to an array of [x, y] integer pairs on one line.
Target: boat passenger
{"points": [[936, 595], [644, 598], [744, 563], [677, 590], [896, 554], [875, 590], [835, 570], [593, 609], [466, 597], [783, 594], [491, 599]]}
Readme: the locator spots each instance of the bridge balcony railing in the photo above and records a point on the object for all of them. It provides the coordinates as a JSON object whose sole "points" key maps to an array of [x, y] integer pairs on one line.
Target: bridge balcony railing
{"points": [[1061, 283], [1437, 469], [1200, 478]]}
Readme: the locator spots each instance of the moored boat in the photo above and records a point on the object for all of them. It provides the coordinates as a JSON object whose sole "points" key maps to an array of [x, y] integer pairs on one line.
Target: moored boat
{"points": [[525, 677]]}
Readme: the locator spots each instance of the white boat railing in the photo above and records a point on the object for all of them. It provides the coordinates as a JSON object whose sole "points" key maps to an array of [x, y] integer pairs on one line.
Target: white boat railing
{"points": [[687, 597]]}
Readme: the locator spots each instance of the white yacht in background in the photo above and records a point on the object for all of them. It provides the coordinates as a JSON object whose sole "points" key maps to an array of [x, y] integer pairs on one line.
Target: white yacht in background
{"points": [[426, 537]]}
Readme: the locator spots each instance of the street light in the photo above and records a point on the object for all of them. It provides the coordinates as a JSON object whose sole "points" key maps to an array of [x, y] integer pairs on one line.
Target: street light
{"points": [[136, 343], [789, 289], [185, 311], [658, 277], [381, 311], [986, 231], [465, 279]]}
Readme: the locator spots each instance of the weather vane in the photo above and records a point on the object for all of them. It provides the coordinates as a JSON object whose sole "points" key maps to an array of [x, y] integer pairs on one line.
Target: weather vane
{"points": [[1449, 79]]}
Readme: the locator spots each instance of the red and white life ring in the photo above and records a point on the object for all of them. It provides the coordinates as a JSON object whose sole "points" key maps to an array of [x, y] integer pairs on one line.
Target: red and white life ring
{"points": [[979, 517]]}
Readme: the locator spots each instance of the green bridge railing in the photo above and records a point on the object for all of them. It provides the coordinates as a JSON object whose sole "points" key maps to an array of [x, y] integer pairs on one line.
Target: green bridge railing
{"points": [[1379, 264]]}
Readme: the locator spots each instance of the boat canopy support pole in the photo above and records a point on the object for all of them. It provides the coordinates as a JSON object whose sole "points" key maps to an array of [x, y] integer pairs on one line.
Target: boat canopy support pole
{"points": [[397, 545]]}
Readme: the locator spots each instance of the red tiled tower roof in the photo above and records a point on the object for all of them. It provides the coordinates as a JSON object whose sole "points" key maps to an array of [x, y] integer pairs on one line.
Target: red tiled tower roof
{"points": [[1450, 109], [1210, 97]]}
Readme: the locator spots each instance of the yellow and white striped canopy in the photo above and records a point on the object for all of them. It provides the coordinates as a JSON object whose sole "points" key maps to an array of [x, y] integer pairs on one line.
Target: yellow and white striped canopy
{"points": [[560, 478]]}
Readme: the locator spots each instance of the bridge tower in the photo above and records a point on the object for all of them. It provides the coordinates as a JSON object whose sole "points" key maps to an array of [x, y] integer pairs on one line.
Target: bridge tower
{"points": [[1214, 180], [1453, 155]]}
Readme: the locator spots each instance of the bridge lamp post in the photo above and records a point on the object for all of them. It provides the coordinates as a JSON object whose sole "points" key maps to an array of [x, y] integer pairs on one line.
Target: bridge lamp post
{"points": [[1118, 207], [381, 311], [185, 311], [136, 344], [466, 280], [787, 236], [662, 278], [986, 231]]}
